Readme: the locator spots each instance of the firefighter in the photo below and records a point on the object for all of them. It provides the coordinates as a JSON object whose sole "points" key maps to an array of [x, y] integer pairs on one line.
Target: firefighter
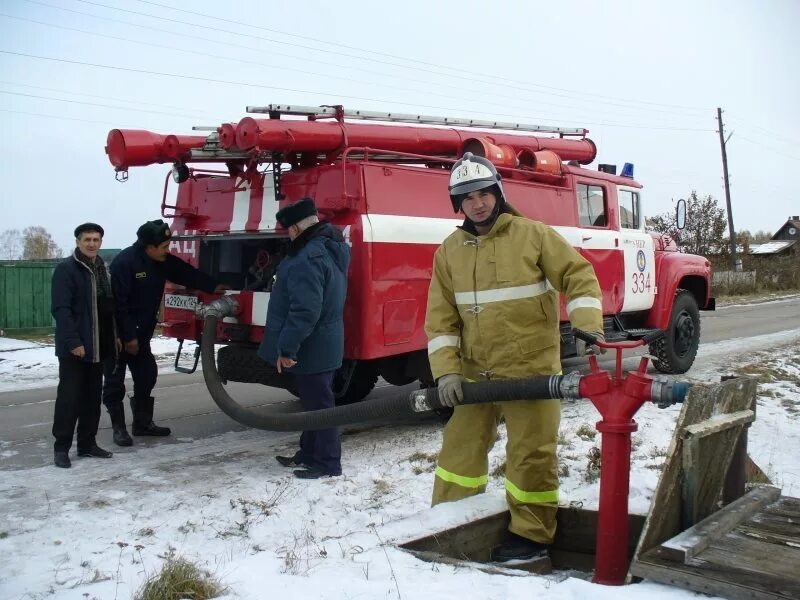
{"points": [[304, 333], [83, 308], [138, 275], [493, 313]]}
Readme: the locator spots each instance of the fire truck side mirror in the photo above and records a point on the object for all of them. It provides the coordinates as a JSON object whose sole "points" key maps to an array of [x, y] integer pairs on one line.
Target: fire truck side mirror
{"points": [[680, 214]]}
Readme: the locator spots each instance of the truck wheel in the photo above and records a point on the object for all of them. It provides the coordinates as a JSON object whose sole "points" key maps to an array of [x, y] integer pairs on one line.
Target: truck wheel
{"points": [[242, 363], [361, 384], [675, 352]]}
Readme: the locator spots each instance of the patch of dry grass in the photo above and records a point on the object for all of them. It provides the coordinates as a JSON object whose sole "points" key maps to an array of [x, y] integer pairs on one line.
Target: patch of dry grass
{"points": [[586, 432], [593, 465], [181, 579], [423, 462], [564, 441], [499, 470]]}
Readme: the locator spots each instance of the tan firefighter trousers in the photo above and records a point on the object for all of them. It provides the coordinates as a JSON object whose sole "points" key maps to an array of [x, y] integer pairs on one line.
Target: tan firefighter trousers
{"points": [[531, 462]]}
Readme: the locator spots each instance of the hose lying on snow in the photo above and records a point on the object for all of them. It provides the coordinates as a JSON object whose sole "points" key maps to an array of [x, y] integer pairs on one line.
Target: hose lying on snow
{"points": [[544, 387]]}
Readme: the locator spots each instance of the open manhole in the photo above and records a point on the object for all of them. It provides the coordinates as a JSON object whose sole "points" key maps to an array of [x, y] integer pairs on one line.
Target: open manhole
{"points": [[573, 548]]}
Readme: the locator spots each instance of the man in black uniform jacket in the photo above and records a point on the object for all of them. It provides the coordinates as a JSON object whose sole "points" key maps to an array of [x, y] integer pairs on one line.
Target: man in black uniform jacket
{"points": [[138, 275]]}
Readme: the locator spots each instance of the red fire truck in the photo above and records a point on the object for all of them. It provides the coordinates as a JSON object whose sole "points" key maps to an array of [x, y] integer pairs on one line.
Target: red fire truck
{"points": [[382, 178]]}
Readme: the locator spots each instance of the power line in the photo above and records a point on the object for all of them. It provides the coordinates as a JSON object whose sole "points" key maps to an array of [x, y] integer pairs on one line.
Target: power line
{"points": [[127, 108], [380, 74], [261, 64], [776, 136], [388, 55], [626, 102], [279, 67], [771, 149], [296, 90], [63, 91], [59, 117]]}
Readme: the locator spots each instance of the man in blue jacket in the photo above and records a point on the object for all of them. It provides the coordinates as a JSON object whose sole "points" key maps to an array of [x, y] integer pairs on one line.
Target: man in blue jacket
{"points": [[138, 275], [83, 307], [304, 333]]}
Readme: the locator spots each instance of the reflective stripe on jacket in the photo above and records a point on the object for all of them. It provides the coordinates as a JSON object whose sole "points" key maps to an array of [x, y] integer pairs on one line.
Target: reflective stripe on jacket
{"points": [[493, 302]]}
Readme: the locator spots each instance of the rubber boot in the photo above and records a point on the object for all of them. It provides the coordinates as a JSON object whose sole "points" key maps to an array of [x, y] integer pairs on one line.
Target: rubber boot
{"points": [[517, 547], [143, 418], [117, 414]]}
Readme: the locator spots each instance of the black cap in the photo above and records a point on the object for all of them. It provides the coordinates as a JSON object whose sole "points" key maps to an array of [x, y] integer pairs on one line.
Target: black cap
{"points": [[289, 215], [153, 233], [86, 227]]}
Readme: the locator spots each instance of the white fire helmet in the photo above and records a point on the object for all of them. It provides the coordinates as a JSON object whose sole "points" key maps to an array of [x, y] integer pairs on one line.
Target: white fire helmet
{"points": [[472, 173]]}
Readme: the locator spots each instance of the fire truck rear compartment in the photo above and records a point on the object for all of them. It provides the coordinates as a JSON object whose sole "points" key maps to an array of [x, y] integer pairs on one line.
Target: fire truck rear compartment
{"points": [[249, 264], [244, 263]]}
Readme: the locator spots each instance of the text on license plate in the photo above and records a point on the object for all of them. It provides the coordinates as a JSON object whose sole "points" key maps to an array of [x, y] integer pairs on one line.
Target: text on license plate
{"points": [[180, 302]]}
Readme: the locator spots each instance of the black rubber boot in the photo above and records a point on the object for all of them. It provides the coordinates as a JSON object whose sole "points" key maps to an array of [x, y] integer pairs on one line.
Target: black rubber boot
{"points": [[61, 459], [143, 418], [117, 414], [150, 429], [519, 548], [121, 437], [314, 473], [291, 461], [95, 452]]}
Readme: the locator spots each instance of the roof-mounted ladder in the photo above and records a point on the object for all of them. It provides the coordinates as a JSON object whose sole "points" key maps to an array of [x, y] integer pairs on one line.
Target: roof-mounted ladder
{"points": [[337, 112]]}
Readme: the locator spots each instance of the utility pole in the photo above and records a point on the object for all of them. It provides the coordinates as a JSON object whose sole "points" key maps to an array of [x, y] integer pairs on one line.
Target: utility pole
{"points": [[722, 144]]}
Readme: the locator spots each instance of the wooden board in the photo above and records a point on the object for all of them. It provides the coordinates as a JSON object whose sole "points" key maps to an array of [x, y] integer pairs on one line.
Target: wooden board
{"points": [[701, 578], [703, 402], [748, 550], [691, 542]]}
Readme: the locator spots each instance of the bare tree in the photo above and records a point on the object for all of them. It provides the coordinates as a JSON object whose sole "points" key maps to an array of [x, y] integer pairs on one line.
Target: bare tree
{"points": [[38, 244], [759, 237], [704, 232], [11, 244]]}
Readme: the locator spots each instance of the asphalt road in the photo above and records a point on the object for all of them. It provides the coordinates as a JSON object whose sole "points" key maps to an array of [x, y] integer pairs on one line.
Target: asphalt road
{"points": [[183, 403]]}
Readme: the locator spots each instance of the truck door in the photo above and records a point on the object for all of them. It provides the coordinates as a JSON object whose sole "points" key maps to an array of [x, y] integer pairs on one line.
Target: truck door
{"points": [[598, 241], [638, 249]]}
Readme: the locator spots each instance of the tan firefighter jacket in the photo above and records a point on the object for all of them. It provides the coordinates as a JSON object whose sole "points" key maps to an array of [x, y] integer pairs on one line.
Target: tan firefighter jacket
{"points": [[492, 310]]}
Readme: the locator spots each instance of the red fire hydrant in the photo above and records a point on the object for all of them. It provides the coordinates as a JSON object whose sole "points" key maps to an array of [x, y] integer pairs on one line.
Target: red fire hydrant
{"points": [[617, 399]]}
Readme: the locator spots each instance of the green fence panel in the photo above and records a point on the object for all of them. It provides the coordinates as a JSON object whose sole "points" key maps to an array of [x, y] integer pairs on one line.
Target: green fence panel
{"points": [[25, 294]]}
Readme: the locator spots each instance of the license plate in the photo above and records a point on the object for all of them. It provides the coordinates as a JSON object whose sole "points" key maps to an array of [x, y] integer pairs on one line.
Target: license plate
{"points": [[180, 302]]}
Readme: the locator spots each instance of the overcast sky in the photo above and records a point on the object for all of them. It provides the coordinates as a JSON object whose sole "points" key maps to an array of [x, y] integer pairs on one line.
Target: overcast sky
{"points": [[644, 77]]}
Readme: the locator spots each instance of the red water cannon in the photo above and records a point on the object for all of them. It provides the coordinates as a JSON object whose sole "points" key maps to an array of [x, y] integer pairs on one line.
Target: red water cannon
{"points": [[278, 135], [330, 130], [138, 148]]}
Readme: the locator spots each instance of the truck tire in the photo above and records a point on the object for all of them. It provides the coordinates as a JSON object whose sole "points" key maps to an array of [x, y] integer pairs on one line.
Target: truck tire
{"points": [[242, 364], [236, 363], [676, 351], [361, 384]]}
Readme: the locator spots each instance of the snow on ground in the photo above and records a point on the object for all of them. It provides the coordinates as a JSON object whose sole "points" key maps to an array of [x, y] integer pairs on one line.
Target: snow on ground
{"points": [[26, 365], [99, 529], [10, 344]]}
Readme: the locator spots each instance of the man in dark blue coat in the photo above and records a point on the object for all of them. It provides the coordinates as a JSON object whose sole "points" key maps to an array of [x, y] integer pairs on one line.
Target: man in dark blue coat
{"points": [[83, 307], [304, 333], [138, 275]]}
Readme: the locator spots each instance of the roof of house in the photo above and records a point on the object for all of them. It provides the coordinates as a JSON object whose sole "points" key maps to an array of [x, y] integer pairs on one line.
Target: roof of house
{"points": [[774, 247], [791, 222]]}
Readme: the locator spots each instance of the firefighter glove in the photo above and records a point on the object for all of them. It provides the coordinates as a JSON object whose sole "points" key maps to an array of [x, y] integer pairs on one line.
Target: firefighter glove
{"points": [[450, 391], [582, 348]]}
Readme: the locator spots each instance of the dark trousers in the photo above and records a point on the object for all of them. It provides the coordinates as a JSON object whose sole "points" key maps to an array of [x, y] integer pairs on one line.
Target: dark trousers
{"points": [[80, 385], [144, 372], [323, 448]]}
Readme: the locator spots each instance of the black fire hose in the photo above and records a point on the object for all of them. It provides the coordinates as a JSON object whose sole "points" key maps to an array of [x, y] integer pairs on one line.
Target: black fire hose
{"points": [[276, 419]]}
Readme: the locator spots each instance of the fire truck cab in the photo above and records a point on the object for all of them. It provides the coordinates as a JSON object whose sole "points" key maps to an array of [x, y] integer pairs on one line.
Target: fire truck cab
{"points": [[382, 179]]}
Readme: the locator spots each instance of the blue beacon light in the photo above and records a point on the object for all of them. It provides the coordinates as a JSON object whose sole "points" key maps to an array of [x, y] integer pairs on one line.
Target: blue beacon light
{"points": [[627, 170]]}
